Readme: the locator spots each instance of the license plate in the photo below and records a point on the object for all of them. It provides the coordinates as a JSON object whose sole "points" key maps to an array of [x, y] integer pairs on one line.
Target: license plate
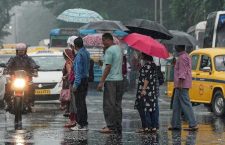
{"points": [[42, 92]]}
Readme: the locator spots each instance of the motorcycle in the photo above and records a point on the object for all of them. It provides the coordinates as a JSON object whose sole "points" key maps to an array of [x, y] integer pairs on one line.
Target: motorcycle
{"points": [[19, 84]]}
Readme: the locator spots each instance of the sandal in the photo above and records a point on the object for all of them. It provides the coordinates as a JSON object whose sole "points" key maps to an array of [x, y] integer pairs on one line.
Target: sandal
{"points": [[195, 128], [106, 130], [174, 129], [142, 130], [70, 124], [153, 130]]}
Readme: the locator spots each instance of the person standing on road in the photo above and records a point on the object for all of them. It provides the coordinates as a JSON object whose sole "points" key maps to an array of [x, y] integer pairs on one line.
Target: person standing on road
{"points": [[147, 95], [72, 104], [112, 80], [182, 83], [80, 86]]}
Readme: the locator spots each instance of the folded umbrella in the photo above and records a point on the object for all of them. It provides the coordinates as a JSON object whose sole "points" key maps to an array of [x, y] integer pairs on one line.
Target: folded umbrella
{"points": [[146, 45]]}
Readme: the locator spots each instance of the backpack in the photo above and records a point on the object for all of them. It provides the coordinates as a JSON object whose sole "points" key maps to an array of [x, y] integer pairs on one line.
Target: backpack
{"points": [[91, 71], [124, 66], [160, 75]]}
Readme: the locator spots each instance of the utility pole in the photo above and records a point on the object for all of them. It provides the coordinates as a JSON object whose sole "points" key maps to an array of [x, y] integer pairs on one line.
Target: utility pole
{"points": [[156, 10], [161, 11]]}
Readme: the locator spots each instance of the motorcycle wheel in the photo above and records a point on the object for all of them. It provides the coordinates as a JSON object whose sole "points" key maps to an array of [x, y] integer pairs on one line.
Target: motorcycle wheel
{"points": [[18, 109]]}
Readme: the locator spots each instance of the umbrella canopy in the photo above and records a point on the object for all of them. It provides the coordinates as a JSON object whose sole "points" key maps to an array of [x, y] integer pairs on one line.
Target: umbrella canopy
{"points": [[150, 28], [117, 33], [146, 45], [104, 25], [79, 16], [95, 40], [181, 38]]}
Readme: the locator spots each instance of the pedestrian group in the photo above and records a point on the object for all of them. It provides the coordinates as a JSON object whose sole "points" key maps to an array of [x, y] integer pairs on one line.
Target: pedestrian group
{"points": [[75, 83]]}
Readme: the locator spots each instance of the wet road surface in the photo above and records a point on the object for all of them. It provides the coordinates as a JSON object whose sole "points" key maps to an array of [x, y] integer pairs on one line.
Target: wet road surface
{"points": [[45, 126]]}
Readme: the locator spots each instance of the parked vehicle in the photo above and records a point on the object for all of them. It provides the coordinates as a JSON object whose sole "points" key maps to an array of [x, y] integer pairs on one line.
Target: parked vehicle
{"points": [[198, 32], [59, 36], [215, 30], [3, 60]]}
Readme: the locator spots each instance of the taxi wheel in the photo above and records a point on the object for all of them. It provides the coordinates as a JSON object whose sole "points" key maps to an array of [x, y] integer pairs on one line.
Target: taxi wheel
{"points": [[218, 104]]}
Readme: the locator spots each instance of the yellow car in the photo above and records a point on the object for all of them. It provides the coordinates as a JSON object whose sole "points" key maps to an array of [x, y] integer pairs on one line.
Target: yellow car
{"points": [[208, 79]]}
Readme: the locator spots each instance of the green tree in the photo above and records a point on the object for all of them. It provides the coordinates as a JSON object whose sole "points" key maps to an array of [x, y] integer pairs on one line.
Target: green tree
{"points": [[113, 10], [5, 6], [185, 13]]}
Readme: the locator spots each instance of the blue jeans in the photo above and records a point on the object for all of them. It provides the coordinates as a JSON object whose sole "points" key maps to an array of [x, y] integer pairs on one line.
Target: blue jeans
{"points": [[182, 102]]}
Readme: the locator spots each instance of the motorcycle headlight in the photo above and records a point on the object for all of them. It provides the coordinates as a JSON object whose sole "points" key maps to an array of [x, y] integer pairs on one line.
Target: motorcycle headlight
{"points": [[19, 83], [19, 140]]}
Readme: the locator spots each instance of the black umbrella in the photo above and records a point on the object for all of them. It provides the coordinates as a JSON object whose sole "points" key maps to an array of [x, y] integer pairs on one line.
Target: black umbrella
{"points": [[104, 25], [150, 28], [181, 38]]}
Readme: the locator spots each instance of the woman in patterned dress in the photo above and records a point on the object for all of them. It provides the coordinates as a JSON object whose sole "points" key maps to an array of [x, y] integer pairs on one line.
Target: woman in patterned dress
{"points": [[147, 94]]}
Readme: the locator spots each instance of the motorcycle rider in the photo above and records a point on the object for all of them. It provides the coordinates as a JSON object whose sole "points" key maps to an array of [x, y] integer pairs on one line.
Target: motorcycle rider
{"points": [[21, 62]]}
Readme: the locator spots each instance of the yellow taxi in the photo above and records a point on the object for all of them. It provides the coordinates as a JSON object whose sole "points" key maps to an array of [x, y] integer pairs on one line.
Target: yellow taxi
{"points": [[208, 79]]}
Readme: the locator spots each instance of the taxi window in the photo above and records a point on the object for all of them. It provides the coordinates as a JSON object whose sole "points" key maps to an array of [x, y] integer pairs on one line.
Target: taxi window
{"points": [[194, 60], [205, 62], [220, 62], [49, 63]]}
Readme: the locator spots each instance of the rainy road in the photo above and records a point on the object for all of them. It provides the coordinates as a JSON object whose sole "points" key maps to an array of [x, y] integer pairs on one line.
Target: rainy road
{"points": [[45, 127]]}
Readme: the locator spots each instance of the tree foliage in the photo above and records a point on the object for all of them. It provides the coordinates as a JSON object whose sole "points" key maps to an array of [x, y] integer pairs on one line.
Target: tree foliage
{"points": [[5, 6], [177, 14], [115, 10], [185, 13]]}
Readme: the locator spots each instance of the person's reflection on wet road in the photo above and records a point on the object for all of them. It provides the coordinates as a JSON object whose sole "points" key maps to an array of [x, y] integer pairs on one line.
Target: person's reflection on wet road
{"points": [[150, 139], [187, 137], [113, 139], [75, 137]]}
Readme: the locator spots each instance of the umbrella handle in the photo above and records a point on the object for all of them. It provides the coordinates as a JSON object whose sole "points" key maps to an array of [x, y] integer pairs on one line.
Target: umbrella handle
{"points": [[159, 62]]}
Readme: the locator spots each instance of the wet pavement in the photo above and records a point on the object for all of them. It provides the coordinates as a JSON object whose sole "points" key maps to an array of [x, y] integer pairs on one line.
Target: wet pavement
{"points": [[45, 126]]}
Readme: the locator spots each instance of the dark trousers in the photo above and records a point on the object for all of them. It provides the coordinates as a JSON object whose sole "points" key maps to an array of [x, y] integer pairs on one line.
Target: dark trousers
{"points": [[112, 100], [149, 119], [157, 114], [80, 99]]}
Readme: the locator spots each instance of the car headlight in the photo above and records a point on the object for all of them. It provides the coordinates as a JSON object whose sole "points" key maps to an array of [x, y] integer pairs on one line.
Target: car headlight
{"points": [[19, 83]]}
